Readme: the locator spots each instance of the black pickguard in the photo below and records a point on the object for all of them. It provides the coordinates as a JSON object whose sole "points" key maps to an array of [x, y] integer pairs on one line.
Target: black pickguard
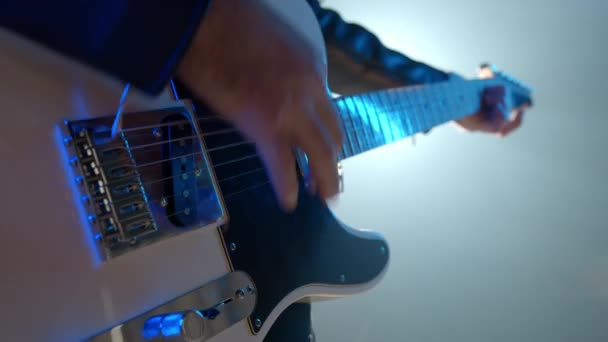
{"points": [[281, 252]]}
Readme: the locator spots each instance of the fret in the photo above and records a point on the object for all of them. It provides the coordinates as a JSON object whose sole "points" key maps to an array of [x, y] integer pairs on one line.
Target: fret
{"points": [[352, 110], [362, 134], [408, 113], [426, 108], [446, 109], [418, 109], [413, 100], [394, 114], [353, 133], [364, 119], [434, 108], [376, 122], [443, 114], [373, 121], [349, 133], [343, 110], [384, 124], [437, 112], [451, 100]]}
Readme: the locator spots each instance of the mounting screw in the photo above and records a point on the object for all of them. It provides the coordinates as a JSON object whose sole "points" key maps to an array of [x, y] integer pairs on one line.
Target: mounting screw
{"points": [[233, 246], [342, 278], [157, 133], [67, 141], [382, 250], [258, 323], [240, 293], [250, 289]]}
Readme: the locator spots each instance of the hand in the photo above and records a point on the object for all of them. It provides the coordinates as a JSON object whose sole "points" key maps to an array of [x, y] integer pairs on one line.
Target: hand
{"points": [[490, 118], [257, 72]]}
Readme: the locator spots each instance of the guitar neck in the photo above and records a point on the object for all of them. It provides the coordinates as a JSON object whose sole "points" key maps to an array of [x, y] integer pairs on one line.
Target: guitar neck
{"points": [[374, 119]]}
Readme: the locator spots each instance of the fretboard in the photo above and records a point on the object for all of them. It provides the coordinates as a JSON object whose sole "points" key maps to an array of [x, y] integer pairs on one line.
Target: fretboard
{"points": [[378, 118]]}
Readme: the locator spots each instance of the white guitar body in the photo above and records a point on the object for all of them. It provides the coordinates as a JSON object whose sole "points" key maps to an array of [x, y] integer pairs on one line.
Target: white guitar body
{"points": [[53, 286]]}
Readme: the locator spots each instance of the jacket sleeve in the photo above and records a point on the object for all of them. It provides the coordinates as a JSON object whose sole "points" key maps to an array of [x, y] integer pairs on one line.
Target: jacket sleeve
{"points": [[359, 62], [136, 41]]}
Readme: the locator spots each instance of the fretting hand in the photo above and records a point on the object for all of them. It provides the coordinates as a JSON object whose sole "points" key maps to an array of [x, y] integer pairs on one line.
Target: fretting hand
{"points": [[490, 118]]}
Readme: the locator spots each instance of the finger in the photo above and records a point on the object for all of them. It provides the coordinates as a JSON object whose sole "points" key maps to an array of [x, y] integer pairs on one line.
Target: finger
{"points": [[493, 120], [313, 140], [513, 124], [280, 164], [494, 94], [329, 118]]}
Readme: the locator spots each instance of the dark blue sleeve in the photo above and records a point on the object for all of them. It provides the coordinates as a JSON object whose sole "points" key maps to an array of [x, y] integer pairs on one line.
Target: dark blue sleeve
{"points": [[137, 41], [366, 50]]}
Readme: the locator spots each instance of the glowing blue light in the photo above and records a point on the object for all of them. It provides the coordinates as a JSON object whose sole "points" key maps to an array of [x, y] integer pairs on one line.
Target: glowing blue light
{"points": [[385, 123], [152, 327], [166, 325], [172, 325]]}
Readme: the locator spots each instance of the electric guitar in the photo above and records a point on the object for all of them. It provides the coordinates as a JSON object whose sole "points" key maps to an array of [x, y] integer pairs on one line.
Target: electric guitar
{"points": [[171, 231]]}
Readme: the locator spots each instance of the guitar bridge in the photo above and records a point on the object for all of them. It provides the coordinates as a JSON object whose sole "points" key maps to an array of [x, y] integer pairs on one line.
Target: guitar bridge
{"points": [[151, 182]]}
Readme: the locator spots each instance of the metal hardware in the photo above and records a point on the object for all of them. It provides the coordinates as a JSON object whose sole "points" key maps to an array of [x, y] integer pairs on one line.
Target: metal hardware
{"points": [[240, 293], [250, 289], [258, 323], [232, 246], [140, 186], [195, 316], [121, 218], [342, 278], [157, 133], [302, 161]]}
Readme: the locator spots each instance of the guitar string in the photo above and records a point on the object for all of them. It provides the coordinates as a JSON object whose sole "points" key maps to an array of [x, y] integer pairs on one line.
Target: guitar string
{"points": [[353, 124], [411, 92], [360, 127], [164, 197], [146, 185], [355, 129], [386, 108]]}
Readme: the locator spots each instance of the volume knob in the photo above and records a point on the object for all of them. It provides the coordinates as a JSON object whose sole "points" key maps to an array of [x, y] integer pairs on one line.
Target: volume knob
{"points": [[188, 326]]}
